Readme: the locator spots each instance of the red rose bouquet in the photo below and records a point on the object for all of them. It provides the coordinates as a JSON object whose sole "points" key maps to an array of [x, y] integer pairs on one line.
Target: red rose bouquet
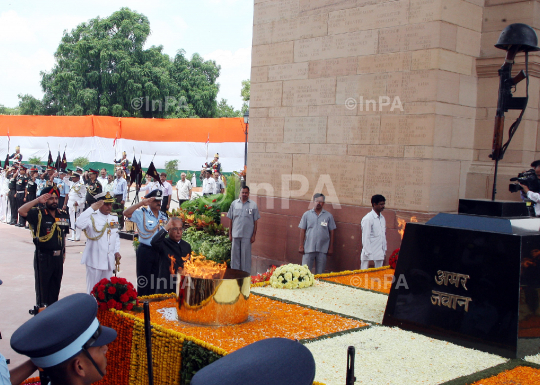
{"points": [[263, 277], [392, 261], [116, 293]]}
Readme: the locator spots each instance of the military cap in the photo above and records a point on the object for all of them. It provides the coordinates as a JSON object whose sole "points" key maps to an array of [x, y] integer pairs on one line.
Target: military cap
{"points": [[50, 190], [62, 331], [105, 196], [158, 194], [92, 171], [62, 171], [22, 167], [216, 156], [69, 170], [51, 168], [18, 148], [33, 169], [265, 362]]}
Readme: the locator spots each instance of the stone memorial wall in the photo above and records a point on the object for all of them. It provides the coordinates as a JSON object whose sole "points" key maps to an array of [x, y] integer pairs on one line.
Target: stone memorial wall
{"points": [[359, 97]]}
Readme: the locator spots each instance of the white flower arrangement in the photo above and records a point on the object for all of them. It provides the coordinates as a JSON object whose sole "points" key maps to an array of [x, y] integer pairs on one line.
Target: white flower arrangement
{"points": [[292, 276]]}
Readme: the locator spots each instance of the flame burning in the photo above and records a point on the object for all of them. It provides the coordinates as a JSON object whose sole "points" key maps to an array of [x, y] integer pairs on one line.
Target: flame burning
{"points": [[173, 261], [402, 223], [198, 267]]}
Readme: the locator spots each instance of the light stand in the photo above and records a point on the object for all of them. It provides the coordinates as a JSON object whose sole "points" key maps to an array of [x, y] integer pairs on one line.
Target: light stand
{"points": [[514, 38], [246, 122]]}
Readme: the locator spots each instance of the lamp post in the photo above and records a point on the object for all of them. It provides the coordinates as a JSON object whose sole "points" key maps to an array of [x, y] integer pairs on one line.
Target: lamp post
{"points": [[246, 122]]}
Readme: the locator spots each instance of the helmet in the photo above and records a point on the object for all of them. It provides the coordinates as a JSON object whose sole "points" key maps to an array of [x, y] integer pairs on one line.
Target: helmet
{"points": [[518, 34]]}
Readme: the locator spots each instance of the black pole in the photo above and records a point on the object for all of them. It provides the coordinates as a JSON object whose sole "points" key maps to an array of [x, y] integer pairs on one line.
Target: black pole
{"points": [[494, 192], [350, 379], [148, 336]]}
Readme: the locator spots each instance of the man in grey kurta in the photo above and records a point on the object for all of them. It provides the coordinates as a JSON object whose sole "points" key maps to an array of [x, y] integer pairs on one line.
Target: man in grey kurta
{"points": [[244, 215], [316, 235]]}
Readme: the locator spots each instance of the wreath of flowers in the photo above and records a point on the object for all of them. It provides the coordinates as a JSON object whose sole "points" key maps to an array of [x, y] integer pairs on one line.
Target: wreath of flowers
{"points": [[392, 261], [116, 293], [292, 276]]}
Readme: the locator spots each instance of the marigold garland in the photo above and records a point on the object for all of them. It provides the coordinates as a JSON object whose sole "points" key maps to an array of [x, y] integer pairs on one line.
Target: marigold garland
{"points": [[347, 272], [32, 381], [522, 375], [375, 280]]}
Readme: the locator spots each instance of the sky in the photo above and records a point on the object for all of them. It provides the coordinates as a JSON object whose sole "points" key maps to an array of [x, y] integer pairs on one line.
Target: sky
{"points": [[30, 31]]}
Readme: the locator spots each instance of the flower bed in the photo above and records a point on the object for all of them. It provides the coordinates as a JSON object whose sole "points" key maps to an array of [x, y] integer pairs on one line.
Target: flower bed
{"points": [[335, 298], [172, 339], [379, 280], [394, 356], [522, 375], [268, 318]]}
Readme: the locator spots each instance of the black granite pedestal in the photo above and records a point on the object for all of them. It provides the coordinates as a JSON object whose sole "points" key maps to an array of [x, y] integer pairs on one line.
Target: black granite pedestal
{"points": [[470, 280]]}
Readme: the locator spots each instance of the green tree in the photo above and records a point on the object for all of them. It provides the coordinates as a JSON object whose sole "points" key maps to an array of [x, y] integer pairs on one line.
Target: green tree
{"points": [[245, 93], [35, 160], [226, 111], [9, 111], [28, 105], [171, 168], [80, 162], [101, 68]]}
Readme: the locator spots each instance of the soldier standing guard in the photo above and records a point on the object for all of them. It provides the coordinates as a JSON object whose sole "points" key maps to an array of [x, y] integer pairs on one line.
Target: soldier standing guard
{"points": [[124, 164], [93, 187], [215, 165], [149, 221], [102, 250], [49, 226], [22, 180], [75, 202]]}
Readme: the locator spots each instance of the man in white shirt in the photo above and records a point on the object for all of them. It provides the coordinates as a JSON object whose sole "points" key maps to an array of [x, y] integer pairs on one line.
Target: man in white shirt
{"points": [[166, 188], [102, 178], [150, 186], [120, 195], [103, 242], [374, 234], [208, 183], [183, 189], [75, 202]]}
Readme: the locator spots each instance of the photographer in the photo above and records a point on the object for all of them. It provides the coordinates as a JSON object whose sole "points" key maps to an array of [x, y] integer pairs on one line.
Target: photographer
{"points": [[528, 188]]}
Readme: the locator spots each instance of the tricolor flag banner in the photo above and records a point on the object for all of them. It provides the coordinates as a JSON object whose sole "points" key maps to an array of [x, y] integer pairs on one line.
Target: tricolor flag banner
{"points": [[92, 137]]}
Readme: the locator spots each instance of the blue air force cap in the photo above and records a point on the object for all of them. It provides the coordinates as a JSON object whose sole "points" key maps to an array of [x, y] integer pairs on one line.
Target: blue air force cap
{"points": [[62, 331], [157, 194], [264, 362]]}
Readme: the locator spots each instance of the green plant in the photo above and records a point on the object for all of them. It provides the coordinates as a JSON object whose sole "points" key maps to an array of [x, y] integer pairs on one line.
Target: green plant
{"points": [[136, 243], [35, 160], [214, 247], [171, 168], [194, 358], [80, 162]]}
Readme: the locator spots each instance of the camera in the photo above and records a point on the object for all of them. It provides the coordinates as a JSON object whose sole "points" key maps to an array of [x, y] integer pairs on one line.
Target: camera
{"points": [[527, 178]]}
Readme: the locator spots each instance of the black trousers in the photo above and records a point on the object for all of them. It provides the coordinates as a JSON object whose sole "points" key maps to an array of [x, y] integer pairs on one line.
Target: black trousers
{"points": [[147, 267], [164, 203], [118, 208], [61, 201], [51, 270], [12, 196], [20, 202]]}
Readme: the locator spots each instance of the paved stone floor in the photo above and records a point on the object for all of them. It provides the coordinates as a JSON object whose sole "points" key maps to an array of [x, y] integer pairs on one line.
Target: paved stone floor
{"points": [[17, 295]]}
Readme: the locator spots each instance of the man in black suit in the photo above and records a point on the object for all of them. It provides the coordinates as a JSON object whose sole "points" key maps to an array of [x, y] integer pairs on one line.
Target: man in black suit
{"points": [[171, 245]]}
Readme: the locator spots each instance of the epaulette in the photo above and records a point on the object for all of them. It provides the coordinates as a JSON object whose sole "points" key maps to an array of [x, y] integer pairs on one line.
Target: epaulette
{"points": [[114, 214], [62, 211]]}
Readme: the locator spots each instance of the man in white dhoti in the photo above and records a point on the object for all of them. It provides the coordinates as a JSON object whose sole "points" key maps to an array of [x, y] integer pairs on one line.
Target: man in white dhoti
{"points": [[103, 244], [75, 202], [374, 234]]}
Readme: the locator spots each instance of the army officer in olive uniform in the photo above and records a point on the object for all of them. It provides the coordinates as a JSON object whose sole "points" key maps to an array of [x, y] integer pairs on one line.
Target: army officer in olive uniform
{"points": [[49, 226]]}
